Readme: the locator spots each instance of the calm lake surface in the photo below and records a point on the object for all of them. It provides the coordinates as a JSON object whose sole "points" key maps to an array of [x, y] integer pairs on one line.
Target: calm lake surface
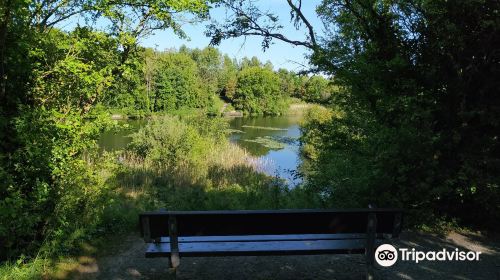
{"points": [[274, 140], [279, 161]]}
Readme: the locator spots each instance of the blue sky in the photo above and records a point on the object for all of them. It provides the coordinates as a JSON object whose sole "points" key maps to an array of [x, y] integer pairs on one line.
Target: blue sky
{"points": [[280, 54]]}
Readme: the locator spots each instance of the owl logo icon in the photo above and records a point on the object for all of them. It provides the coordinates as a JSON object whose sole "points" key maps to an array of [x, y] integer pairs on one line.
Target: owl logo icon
{"points": [[386, 255]]}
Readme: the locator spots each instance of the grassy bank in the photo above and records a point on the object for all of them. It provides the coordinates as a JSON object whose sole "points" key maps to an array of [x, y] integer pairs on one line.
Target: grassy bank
{"points": [[219, 108], [174, 162]]}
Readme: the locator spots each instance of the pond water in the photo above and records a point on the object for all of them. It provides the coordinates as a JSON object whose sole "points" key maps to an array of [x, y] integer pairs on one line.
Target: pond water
{"points": [[119, 138], [274, 140]]}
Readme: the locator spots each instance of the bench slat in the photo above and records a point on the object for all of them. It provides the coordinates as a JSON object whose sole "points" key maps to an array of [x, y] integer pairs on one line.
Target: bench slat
{"points": [[290, 237], [297, 222], [280, 211], [256, 248]]}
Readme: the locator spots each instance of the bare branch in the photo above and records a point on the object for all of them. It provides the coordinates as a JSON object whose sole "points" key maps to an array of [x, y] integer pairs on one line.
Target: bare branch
{"points": [[299, 13]]}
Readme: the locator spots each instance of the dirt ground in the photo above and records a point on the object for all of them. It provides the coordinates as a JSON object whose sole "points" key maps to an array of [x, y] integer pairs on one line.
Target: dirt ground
{"points": [[125, 260]]}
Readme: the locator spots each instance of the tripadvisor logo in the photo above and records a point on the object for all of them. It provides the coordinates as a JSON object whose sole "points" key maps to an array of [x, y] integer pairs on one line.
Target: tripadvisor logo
{"points": [[387, 255]]}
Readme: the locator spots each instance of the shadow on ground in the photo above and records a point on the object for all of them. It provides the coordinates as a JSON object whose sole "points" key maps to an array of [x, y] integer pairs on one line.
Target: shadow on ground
{"points": [[126, 261]]}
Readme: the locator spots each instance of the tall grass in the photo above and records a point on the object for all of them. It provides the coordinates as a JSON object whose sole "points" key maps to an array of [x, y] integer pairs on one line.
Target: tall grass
{"points": [[190, 164]]}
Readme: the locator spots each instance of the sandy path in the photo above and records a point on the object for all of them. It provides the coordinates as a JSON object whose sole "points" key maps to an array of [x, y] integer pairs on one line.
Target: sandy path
{"points": [[125, 260]]}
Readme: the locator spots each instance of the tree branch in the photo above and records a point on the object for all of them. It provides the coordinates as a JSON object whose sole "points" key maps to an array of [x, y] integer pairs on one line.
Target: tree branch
{"points": [[245, 22], [299, 13]]}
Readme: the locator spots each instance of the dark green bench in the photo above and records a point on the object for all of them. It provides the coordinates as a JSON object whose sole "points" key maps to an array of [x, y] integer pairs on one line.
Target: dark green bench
{"points": [[176, 234]]}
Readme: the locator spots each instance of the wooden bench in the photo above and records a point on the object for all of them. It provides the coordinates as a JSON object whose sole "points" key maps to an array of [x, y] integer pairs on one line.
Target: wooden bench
{"points": [[176, 234]]}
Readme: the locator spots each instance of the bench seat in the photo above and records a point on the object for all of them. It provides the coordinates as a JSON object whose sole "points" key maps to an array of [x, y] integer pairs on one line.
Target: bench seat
{"points": [[254, 245]]}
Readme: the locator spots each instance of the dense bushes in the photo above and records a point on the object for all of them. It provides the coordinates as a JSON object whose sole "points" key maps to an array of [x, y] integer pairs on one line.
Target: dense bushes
{"points": [[420, 105], [49, 197], [168, 143]]}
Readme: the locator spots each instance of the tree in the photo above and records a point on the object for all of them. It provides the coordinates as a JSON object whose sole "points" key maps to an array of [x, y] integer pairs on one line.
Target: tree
{"points": [[177, 83], [317, 90], [50, 80], [150, 67], [258, 91], [252, 62], [228, 80], [209, 63]]}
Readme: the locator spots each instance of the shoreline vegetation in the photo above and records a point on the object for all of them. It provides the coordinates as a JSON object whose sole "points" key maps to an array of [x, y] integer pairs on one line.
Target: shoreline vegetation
{"points": [[296, 107]]}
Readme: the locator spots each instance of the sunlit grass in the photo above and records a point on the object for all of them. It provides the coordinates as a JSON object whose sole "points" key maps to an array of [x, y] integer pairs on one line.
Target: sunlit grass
{"points": [[20, 270], [298, 107]]}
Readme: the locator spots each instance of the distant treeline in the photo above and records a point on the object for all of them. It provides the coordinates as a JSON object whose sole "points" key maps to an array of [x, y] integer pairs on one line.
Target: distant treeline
{"points": [[165, 81]]}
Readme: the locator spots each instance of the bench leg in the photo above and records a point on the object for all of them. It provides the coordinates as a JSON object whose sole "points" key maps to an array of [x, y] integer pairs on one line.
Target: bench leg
{"points": [[174, 260], [369, 272], [370, 259], [173, 263], [174, 243], [370, 245]]}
